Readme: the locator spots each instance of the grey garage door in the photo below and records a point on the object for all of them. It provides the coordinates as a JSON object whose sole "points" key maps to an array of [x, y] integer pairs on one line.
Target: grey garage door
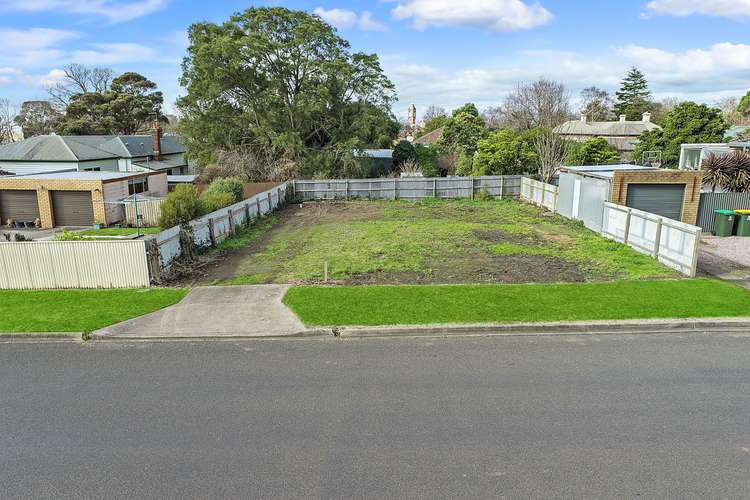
{"points": [[18, 205], [72, 208], [659, 199]]}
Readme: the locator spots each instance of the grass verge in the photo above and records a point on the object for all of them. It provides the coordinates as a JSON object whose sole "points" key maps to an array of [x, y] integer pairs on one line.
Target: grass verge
{"points": [[41, 311], [436, 304]]}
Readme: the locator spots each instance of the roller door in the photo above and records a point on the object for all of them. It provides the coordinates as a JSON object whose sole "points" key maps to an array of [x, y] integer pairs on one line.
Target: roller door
{"points": [[18, 205], [72, 208], [660, 199]]}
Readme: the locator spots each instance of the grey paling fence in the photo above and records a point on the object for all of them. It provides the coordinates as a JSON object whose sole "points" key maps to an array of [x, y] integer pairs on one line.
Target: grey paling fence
{"points": [[408, 188], [671, 242], [213, 228], [710, 202]]}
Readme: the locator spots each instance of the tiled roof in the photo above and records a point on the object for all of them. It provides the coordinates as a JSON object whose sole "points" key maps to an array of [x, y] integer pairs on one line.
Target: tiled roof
{"points": [[431, 137], [605, 129]]}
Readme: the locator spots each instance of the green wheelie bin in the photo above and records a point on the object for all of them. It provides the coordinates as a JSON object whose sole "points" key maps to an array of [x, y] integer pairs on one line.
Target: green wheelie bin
{"points": [[724, 222], [743, 223]]}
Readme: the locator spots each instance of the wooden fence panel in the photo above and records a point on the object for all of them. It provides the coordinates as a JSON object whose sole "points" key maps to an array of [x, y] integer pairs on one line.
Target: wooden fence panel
{"points": [[539, 193]]}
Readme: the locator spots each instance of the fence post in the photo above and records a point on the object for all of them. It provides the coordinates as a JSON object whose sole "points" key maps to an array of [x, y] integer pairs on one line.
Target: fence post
{"points": [[257, 204], [278, 197], [657, 243], [247, 213], [369, 190], [471, 188], [270, 201], [502, 191], [554, 200], [212, 232], [346, 192], [154, 264], [544, 190], [434, 187], [231, 221], [395, 188], [626, 236], [694, 264]]}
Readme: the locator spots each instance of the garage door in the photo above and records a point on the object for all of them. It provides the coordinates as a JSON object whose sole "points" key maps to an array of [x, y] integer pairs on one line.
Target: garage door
{"points": [[72, 208], [659, 199], [18, 205]]}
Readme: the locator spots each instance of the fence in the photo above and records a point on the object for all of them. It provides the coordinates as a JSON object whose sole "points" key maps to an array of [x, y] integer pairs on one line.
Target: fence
{"points": [[539, 193], [213, 228], [148, 208], [673, 243], [407, 188], [73, 264], [710, 202]]}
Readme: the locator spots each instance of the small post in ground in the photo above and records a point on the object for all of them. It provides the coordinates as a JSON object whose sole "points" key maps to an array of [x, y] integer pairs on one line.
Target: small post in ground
{"points": [[325, 271]]}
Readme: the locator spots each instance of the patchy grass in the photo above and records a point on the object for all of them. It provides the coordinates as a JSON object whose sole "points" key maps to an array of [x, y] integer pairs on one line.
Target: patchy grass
{"points": [[439, 304], [248, 233], [120, 231], [434, 241], [78, 310]]}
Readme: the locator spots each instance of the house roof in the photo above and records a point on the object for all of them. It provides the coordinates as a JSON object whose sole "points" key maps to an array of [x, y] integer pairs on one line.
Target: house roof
{"points": [[431, 137], [605, 129], [80, 176], [604, 171], [162, 164], [85, 147]]}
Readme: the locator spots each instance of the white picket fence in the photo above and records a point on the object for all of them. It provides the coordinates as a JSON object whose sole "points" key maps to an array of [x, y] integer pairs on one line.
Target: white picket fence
{"points": [[539, 193], [673, 243], [213, 228], [73, 264]]}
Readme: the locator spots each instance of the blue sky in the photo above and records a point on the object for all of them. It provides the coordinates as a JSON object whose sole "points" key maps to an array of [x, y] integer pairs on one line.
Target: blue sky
{"points": [[442, 52]]}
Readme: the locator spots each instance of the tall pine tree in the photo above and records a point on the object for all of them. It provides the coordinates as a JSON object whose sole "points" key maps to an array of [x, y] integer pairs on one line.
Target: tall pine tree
{"points": [[633, 98]]}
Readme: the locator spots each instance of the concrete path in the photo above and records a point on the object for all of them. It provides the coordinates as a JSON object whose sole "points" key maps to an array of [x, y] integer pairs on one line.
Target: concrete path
{"points": [[725, 262], [216, 311]]}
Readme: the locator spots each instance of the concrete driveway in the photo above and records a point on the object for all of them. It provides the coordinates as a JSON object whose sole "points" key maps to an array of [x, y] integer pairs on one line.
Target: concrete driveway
{"points": [[216, 311], [726, 258]]}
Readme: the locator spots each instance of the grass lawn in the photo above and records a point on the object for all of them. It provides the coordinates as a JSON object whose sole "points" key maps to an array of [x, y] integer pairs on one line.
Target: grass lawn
{"points": [[120, 231], [78, 310], [436, 304], [433, 241]]}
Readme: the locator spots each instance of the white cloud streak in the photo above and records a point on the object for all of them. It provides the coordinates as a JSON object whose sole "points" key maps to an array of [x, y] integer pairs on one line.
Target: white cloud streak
{"points": [[114, 11], [345, 19], [714, 8]]}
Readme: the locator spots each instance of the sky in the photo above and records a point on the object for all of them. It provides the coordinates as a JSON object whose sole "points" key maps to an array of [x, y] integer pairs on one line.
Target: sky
{"points": [[437, 52]]}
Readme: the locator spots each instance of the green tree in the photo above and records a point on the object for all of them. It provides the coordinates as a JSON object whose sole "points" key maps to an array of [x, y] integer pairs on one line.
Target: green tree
{"points": [[464, 130], [688, 122], [235, 187], [633, 99], [126, 108], [283, 84], [403, 152], [428, 160], [37, 118], [505, 152], [596, 151], [181, 206], [744, 105]]}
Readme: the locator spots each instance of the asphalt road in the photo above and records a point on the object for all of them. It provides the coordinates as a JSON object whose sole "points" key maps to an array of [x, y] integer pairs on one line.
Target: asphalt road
{"points": [[532, 417]]}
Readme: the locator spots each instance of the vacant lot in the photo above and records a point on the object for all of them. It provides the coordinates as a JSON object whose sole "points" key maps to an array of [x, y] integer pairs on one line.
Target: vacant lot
{"points": [[398, 242]]}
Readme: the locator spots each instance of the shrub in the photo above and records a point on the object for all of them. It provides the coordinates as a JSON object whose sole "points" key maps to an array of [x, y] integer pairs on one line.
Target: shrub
{"points": [[505, 152], [403, 152], [596, 151], [68, 236], [181, 206], [427, 159], [212, 201], [232, 185], [463, 165], [730, 171], [411, 169]]}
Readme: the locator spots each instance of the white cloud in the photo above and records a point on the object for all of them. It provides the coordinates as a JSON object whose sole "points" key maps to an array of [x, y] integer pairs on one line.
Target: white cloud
{"points": [[113, 10], [683, 8], [105, 54], [347, 19], [491, 15]]}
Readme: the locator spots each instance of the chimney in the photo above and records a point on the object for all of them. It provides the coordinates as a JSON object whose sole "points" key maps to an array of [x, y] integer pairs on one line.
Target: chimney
{"points": [[622, 118], [647, 117], [156, 140], [584, 118]]}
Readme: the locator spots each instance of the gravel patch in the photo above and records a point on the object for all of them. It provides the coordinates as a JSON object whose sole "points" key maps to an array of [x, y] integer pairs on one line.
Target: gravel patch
{"points": [[735, 248]]}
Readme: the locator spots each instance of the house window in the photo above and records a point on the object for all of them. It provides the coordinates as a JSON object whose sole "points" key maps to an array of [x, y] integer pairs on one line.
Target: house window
{"points": [[92, 169], [136, 186]]}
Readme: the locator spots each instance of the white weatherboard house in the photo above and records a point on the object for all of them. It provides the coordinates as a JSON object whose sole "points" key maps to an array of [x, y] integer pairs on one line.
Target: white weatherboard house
{"points": [[96, 153]]}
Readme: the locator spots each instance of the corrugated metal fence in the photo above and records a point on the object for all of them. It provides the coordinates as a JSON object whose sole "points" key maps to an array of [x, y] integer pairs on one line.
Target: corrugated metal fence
{"points": [[73, 264], [409, 188], [710, 202], [213, 228], [673, 243]]}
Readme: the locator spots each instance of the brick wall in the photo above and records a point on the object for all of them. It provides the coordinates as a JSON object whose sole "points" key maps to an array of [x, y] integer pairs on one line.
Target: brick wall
{"points": [[691, 179]]}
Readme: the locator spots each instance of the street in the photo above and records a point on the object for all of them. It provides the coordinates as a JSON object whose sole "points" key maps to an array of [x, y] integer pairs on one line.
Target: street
{"points": [[609, 416]]}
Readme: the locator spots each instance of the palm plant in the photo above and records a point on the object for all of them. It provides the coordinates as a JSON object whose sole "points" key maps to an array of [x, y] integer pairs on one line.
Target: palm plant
{"points": [[730, 172]]}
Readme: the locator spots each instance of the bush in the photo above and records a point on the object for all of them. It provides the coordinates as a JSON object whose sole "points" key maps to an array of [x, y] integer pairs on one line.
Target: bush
{"points": [[68, 236], [403, 152], [427, 159], [232, 185], [213, 201], [596, 151], [505, 152], [463, 165], [181, 206], [730, 172]]}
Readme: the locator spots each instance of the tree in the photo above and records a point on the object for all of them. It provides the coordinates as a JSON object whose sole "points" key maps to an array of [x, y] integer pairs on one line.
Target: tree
{"points": [[596, 151], [633, 98], [126, 108], [505, 152], [235, 187], [660, 110], [428, 160], [403, 152], [540, 104], [7, 122], [596, 104], [37, 118], [551, 151], [283, 85], [744, 106], [433, 124], [463, 131], [687, 123], [79, 79], [493, 117], [729, 110], [434, 112], [181, 206]]}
